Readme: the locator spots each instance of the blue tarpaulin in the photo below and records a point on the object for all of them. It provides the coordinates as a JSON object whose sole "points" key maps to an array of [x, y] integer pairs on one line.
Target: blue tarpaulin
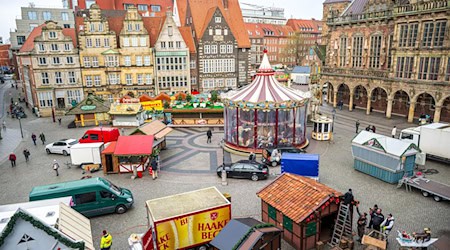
{"points": [[300, 164]]}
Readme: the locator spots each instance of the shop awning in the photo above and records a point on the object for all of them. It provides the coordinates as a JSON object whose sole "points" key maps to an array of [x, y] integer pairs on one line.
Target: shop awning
{"points": [[134, 145]]}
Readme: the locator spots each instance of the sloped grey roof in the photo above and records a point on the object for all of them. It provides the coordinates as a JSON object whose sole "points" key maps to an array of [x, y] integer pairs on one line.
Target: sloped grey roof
{"points": [[355, 8], [335, 1]]}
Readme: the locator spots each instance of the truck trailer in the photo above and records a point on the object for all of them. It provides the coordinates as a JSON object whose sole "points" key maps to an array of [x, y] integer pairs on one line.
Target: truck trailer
{"points": [[433, 139], [86, 153], [186, 221]]}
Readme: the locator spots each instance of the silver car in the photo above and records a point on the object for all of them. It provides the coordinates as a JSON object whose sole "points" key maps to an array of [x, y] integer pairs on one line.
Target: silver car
{"points": [[61, 146]]}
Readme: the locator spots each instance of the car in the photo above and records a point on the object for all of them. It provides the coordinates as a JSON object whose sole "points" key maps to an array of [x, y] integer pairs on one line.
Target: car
{"points": [[60, 147], [244, 169], [267, 153]]}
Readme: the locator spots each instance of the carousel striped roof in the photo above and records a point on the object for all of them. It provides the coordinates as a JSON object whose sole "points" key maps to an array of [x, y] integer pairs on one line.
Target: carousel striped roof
{"points": [[265, 88]]}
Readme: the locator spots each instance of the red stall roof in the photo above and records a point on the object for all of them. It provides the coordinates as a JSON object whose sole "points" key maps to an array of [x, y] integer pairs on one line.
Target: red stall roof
{"points": [[110, 149], [134, 145]]}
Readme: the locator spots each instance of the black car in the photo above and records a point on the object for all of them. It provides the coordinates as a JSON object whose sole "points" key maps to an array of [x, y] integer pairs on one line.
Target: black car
{"points": [[266, 154], [245, 169]]}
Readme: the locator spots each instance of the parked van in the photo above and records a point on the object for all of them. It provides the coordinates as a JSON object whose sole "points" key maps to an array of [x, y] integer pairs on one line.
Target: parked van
{"points": [[91, 197], [100, 134]]}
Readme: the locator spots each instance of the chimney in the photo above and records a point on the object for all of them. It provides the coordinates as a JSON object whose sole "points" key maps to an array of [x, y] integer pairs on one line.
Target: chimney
{"points": [[225, 4]]}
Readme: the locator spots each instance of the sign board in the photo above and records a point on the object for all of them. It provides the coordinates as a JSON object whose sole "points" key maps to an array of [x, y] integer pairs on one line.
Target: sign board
{"points": [[150, 105], [88, 107], [191, 230]]}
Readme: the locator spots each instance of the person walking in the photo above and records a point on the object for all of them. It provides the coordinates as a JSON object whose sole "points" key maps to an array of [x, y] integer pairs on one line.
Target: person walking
{"points": [[357, 126], [209, 135], [4, 126], [361, 223], [252, 156], [106, 241], [26, 153], [33, 137], [56, 167], [12, 158], [154, 166], [42, 137], [59, 121], [394, 131], [373, 128]]}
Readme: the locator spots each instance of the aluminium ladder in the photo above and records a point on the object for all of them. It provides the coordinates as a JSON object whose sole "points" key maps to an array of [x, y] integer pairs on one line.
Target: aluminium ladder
{"points": [[343, 224]]}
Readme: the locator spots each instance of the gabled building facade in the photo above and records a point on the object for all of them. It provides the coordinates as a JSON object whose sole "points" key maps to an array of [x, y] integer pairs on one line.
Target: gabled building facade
{"points": [[50, 69], [172, 59], [307, 33]]}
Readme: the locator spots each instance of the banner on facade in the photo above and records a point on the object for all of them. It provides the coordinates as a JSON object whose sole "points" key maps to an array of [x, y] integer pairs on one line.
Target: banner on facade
{"points": [[152, 105]]}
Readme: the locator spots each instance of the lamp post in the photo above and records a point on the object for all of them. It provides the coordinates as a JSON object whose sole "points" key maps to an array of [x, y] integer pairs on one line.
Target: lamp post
{"points": [[20, 124], [333, 113]]}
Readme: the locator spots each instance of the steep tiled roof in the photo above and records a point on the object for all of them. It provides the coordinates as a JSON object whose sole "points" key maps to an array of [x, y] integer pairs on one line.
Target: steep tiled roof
{"points": [[71, 32], [356, 7], [232, 14], [254, 30], [153, 26], [296, 196], [28, 46], [115, 24], [182, 5], [336, 1], [165, 6], [305, 25], [186, 33]]}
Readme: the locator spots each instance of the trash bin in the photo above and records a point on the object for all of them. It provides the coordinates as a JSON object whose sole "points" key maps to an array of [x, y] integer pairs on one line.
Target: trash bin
{"points": [[139, 174]]}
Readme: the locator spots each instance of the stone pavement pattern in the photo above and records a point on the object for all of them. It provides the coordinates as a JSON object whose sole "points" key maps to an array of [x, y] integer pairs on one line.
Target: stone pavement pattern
{"points": [[188, 164]]}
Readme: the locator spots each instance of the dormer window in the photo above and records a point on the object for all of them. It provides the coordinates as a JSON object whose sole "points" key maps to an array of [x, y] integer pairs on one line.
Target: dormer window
{"points": [[170, 30], [52, 34], [218, 19], [130, 27], [137, 26], [155, 8], [100, 27]]}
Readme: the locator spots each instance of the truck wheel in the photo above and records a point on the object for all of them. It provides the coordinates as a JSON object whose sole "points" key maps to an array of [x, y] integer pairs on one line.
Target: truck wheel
{"points": [[255, 177], [121, 209], [48, 151], [425, 193], [65, 153], [274, 164], [437, 198], [201, 248]]}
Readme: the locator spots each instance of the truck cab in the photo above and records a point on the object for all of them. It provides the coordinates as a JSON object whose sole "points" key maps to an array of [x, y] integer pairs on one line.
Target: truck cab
{"points": [[100, 134], [411, 135]]}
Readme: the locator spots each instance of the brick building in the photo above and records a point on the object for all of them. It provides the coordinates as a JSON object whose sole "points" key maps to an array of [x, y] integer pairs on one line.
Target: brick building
{"points": [[390, 57], [6, 63], [307, 33], [145, 7]]}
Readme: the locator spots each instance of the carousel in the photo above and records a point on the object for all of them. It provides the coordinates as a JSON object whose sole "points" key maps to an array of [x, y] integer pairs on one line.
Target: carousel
{"points": [[265, 114]]}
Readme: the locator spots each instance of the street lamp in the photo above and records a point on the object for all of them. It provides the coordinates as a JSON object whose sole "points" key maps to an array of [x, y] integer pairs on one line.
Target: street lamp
{"points": [[20, 124], [333, 113]]}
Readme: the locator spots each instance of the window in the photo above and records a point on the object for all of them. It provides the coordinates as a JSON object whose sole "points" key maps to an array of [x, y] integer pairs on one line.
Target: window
{"points": [[127, 60], [142, 7], [47, 15], [137, 26], [287, 223], [71, 76], [343, 52], [54, 47], [229, 48], [97, 42], [148, 79], [106, 195], [127, 5], [138, 60], [126, 42], [106, 41], [439, 33], [404, 67], [52, 35], [408, 35], [155, 8], [44, 77], [128, 79], [20, 40], [41, 47], [447, 72], [74, 95], [225, 32], [88, 43], [85, 198], [65, 16], [97, 81], [375, 49], [218, 32], [111, 61], [163, 45], [170, 30], [32, 15], [58, 77], [113, 78], [193, 64], [178, 44], [193, 80], [45, 99], [434, 33], [69, 60], [427, 34], [357, 51], [67, 47], [218, 19], [213, 49], [66, 26], [89, 3], [170, 45], [207, 49], [56, 60], [147, 60], [94, 61], [86, 61], [140, 79], [142, 41], [429, 68], [42, 61], [100, 27], [272, 212], [134, 42]]}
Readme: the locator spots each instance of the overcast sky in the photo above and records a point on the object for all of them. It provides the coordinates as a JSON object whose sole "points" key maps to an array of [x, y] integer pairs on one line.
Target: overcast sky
{"points": [[10, 10]]}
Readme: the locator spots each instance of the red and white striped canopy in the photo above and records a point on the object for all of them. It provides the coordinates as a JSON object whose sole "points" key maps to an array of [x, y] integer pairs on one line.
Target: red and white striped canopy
{"points": [[265, 88]]}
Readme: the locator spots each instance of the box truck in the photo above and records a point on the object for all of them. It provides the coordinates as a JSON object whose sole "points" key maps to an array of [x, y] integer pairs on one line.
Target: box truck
{"points": [[187, 220], [86, 153], [301, 164], [433, 139]]}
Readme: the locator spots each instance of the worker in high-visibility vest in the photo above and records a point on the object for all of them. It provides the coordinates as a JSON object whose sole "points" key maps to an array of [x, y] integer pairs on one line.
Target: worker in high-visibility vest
{"points": [[106, 241]]}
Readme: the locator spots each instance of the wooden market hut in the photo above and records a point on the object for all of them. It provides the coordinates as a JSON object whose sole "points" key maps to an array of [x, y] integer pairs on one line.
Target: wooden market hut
{"points": [[127, 114], [157, 129], [388, 159], [163, 97], [128, 152], [92, 111], [248, 234], [145, 98], [304, 208]]}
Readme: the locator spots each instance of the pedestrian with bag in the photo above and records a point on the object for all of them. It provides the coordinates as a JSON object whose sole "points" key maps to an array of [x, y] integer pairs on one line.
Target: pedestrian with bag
{"points": [[56, 167], [42, 137], [106, 241], [33, 137], [12, 158], [26, 153]]}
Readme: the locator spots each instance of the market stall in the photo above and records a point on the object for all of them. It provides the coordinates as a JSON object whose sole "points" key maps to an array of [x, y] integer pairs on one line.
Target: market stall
{"points": [[92, 111], [127, 153], [264, 114], [127, 114], [156, 128], [383, 157]]}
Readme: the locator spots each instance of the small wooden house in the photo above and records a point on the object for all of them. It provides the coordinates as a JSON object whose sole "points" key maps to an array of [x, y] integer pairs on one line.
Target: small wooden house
{"points": [[127, 114], [157, 129], [92, 111], [247, 234], [303, 208], [383, 157]]}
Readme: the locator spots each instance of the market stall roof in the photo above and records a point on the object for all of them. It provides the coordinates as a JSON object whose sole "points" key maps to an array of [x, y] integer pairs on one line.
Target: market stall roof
{"points": [[163, 97], [110, 148], [145, 98], [265, 88], [388, 144], [296, 196], [156, 128], [91, 104], [75, 225], [125, 108], [134, 145]]}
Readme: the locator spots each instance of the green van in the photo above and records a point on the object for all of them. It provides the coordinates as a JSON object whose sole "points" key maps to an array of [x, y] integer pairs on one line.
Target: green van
{"points": [[91, 197]]}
